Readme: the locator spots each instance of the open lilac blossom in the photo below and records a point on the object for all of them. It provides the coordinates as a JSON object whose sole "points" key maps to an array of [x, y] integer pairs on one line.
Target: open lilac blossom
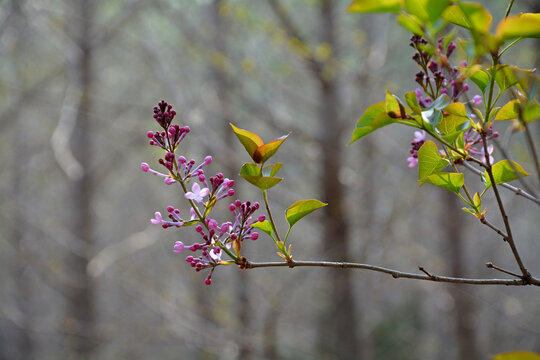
{"points": [[477, 99], [197, 194]]}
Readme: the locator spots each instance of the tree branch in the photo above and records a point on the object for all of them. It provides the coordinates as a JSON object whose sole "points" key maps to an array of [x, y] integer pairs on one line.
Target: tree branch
{"points": [[514, 189], [394, 273], [509, 237]]}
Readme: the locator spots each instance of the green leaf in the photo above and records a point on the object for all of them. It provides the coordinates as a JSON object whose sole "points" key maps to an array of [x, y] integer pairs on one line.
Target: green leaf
{"points": [[263, 183], [508, 111], [264, 226], [271, 170], [448, 181], [457, 109], [451, 126], [209, 206], [531, 112], [252, 173], [191, 222], [478, 76], [508, 75], [503, 171], [373, 118], [429, 160], [412, 101], [264, 152], [411, 23], [471, 16], [251, 141], [426, 10], [477, 202], [394, 107], [369, 6], [469, 210], [250, 169], [521, 25], [441, 102], [300, 209], [517, 355]]}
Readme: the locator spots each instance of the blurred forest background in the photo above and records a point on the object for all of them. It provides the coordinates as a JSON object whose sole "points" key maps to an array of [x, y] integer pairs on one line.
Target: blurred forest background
{"points": [[83, 273]]}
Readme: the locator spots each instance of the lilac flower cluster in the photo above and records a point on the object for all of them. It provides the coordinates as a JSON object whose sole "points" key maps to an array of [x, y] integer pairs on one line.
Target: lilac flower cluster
{"points": [[471, 138], [206, 192], [437, 76]]}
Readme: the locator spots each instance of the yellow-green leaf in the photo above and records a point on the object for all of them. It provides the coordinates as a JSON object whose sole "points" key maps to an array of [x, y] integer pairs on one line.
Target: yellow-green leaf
{"points": [[508, 111], [505, 171], [411, 23], [469, 15], [367, 124], [369, 6], [521, 25], [264, 226], [271, 170], [264, 152], [517, 355], [302, 208], [429, 160], [251, 141], [426, 10], [448, 181]]}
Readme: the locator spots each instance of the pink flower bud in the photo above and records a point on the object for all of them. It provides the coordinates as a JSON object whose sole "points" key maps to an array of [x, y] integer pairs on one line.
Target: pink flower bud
{"points": [[208, 281], [261, 218], [198, 229], [232, 207], [169, 181], [150, 134], [207, 160], [182, 160], [254, 236], [170, 209], [230, 192], [145, 167]]}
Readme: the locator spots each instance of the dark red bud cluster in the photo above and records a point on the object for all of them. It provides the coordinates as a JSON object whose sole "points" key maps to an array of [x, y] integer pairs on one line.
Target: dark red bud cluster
{"points": [[164, 114]]}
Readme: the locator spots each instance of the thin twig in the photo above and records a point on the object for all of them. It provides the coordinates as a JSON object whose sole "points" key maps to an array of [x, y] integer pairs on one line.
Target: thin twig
{"points": [[532, 149], [394, 273], [511, 163], [514, 189], [491, 266], [494, 228], [509, 237], [509, 8]]}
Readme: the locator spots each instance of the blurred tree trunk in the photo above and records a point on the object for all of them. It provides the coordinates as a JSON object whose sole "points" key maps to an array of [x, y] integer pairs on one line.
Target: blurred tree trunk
{"points": [[464, 307], [80, 316], [24, 343], [338, 334]]}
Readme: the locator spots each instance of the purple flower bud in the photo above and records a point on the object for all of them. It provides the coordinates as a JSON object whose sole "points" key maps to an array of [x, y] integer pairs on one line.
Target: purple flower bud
{"points": [[232, 207], [178, 247], [254, 236], [230, 192], [444, 91], [182, 160], [145, 167], [199, 228], [170, 209], [477, 99], [207, 160], [189, 259], [169, 181], [261, 218], [465, 87]]}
